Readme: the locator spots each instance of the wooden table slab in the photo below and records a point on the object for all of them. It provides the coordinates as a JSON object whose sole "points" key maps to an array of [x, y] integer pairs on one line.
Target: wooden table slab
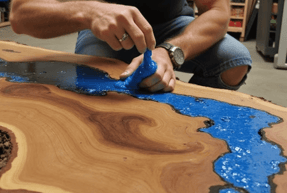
{"points": [[64, 141]]}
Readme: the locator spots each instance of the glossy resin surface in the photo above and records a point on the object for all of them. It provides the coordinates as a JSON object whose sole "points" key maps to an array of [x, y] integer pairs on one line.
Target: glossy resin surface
{"points": [[252, 160]]}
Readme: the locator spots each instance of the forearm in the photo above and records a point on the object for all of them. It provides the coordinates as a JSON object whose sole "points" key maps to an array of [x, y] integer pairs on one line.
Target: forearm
{"points": [[47, 19], [202, 33]]}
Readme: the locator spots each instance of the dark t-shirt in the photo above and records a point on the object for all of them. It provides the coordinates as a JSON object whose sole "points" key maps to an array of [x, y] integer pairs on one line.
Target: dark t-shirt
{"points": [[158, 11]]}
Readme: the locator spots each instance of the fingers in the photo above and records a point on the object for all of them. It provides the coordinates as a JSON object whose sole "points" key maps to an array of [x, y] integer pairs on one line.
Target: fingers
{"points": [[170, 86], [152, 80], [139, 30], [127, 43], [164, 78], [160, 81], [141, 39], [137, 37], [147, 30], [114, 43], [132, 67], [112, 21], [166, 84]]}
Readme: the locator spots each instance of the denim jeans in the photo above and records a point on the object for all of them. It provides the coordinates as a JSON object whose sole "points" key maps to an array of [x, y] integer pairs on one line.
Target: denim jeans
{"points": [[207, 67]]}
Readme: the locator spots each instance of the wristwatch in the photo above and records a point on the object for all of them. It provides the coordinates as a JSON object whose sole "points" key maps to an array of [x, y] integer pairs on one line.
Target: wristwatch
{"points": [[175, 53]]}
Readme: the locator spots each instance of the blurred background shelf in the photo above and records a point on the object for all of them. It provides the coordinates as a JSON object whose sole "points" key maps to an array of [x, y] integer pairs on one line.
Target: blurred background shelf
{"points": [[240, 15], [269, 27], [235, 29], [4, 11], [235, 17], [237, 4]]}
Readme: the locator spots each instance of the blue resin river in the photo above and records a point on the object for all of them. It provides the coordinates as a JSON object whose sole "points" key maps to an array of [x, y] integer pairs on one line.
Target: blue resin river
{"points": [[251, 160]]}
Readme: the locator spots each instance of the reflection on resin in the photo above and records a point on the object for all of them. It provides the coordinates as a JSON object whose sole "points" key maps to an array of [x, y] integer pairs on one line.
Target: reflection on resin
{"points": [[251, 159]]}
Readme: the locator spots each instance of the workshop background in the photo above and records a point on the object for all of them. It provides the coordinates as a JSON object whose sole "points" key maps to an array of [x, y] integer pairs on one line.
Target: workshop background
{"points": [[258, 25]]}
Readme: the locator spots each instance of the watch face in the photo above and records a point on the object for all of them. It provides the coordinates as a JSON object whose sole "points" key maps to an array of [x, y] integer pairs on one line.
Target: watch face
{"points": [[178, 56]]}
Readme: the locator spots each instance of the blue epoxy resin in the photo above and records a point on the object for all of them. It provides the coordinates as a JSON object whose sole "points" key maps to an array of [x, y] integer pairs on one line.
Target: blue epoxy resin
{"points": [[12, 77], [251, 159], [146, 68], [229, 190]]}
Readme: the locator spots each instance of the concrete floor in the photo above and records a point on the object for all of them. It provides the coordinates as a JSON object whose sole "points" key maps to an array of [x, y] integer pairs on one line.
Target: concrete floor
{"points": [[263, 80]]}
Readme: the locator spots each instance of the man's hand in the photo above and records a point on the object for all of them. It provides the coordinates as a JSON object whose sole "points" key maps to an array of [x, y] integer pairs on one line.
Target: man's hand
{"points": [[163, 79], [52, 18], [111, 21]]}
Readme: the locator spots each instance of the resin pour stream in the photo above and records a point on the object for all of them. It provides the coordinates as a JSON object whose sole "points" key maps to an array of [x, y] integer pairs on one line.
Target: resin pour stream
{"points": [[251, 160]]}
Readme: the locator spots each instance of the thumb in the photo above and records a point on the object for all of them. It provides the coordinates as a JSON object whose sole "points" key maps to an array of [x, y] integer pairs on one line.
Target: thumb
{"points": [[132, 67]]}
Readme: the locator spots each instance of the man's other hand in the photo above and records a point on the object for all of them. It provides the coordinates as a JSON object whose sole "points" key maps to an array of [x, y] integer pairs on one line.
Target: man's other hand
{"points": [[163, 79]]}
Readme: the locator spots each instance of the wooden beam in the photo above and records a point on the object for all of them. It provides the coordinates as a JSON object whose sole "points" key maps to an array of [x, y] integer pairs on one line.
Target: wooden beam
{"points": [[5, 24]]}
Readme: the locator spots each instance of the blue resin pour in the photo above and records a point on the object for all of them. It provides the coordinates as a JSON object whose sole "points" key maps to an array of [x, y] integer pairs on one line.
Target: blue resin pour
{"points": [[147, 68], [251, 160]]}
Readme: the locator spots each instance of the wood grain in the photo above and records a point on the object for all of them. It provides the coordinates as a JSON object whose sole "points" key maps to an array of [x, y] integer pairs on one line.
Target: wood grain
{"points": [[69, 142], [78, 143]]}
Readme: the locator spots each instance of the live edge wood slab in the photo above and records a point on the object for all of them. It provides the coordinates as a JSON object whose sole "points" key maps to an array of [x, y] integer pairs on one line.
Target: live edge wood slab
{"points": [[63, 141]]}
